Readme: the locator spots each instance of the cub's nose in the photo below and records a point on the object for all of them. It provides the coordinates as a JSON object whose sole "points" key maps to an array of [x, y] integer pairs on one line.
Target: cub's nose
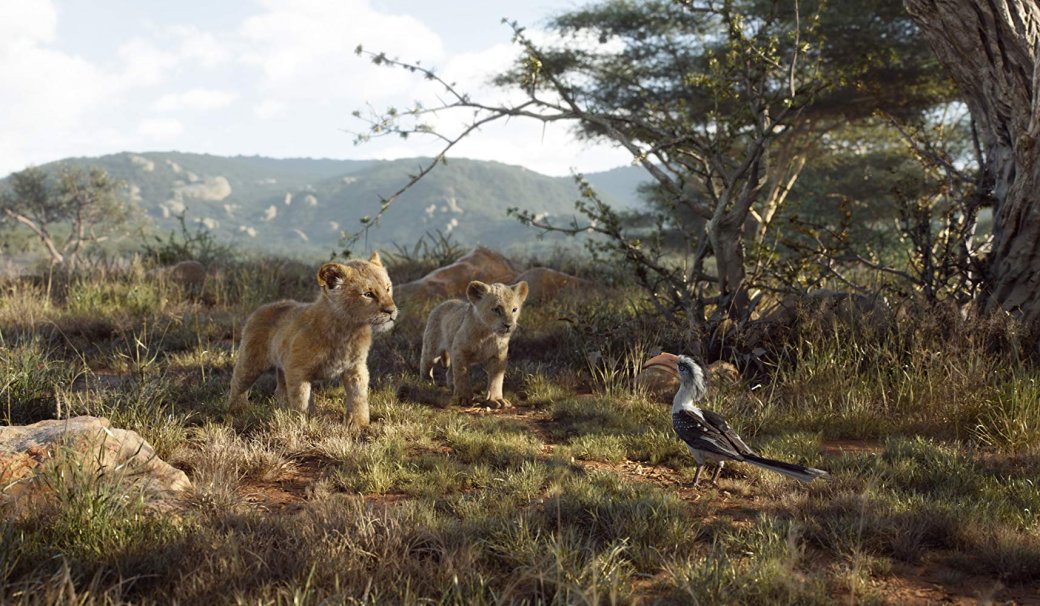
{"points": [[391, 311]]}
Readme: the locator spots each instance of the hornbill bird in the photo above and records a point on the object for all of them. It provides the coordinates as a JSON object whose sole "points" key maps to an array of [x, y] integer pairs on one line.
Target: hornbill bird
{"points": [[707, 434]]}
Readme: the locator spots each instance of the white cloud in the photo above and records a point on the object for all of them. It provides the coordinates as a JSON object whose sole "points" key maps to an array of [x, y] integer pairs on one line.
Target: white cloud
{"points": [[205, 48], [26, 23], [144, 62], [547, 148], [196, 99], [475, 70], [305, 46], [160, 128], [46, 93], [268, 109], [290, 65]]}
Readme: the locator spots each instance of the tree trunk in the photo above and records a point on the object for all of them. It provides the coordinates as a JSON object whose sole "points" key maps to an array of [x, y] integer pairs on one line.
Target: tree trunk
{"points": [[41, 232], [726, 235], [991, 47]]}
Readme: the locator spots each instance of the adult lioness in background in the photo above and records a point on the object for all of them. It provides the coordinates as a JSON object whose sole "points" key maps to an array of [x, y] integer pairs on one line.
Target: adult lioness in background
{"points": [[330, 337], [461, 333]]}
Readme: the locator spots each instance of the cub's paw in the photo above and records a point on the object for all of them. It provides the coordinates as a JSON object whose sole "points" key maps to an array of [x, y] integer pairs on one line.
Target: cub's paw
{"points": [[463, 400], [237, 405], [498, 403]]}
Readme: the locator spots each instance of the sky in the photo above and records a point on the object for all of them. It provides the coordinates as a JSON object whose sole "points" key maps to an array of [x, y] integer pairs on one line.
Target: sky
{"points": [[273, 78]]}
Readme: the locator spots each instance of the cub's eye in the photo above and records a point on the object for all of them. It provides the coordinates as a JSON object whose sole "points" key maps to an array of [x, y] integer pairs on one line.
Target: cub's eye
{"points": [[369, 295], [498, 310], [514, 309]]}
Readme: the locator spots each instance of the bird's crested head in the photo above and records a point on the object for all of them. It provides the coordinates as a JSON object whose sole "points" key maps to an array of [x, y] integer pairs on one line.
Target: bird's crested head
{"points": [[692, 377], [688, 369]]}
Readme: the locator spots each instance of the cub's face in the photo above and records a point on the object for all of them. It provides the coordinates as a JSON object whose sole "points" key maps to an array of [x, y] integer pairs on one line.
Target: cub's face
{"points": [[498, 306], [360, 290]]}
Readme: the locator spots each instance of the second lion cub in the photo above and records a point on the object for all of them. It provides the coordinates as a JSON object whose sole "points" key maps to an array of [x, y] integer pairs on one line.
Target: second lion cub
{"points": [[461, 333]]}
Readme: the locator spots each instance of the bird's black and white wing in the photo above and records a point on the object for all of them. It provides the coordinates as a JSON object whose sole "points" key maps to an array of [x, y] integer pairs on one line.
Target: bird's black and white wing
{"points": [[719, 422], [703, 436]]}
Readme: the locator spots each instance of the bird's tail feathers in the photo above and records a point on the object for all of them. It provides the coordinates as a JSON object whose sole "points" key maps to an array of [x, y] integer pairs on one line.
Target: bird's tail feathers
{"points": [[798, 472]]}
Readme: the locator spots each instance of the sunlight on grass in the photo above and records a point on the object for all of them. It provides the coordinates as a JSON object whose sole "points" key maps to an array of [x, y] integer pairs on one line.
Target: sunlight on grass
{"points": [[437, 504]]}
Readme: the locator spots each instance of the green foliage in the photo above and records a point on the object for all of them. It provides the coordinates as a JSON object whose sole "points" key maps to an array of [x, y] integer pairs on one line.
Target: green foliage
{"points": [[752, 566], [183, 244], [696, 90], [29, 380], [65, 211], [114, 298], [1010, 419]]}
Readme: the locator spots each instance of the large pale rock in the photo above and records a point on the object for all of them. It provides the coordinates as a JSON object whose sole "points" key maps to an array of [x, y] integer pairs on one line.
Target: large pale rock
{"points": [[545, 283], [487, 266], [451, 280], [29, 452]]}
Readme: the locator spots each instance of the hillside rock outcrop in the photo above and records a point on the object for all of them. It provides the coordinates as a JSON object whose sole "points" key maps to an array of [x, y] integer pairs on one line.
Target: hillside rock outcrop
{"points": [[32, 456]]}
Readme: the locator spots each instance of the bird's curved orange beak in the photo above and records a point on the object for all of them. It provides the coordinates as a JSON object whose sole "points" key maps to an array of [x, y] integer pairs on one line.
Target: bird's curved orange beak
{"points": [[667, 361]]}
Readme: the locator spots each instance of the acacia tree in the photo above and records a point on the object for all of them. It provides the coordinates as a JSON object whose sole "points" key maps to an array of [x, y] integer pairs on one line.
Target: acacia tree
{"points": [[66, 213], [992, 50], [908, 198], [697, 93], [721, 102]]}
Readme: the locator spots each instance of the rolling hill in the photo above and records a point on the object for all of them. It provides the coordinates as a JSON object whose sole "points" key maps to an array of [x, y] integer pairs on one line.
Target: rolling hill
{"points": [[302, 206]]}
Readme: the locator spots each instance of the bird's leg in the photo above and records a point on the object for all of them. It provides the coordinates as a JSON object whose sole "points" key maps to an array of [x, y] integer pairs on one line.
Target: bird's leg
{"points": [[715, 476], [697, 475]]}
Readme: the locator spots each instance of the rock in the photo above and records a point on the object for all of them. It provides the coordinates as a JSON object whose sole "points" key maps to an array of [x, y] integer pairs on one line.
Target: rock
{"points": [[451, 280], [545, 283], [722, 374], [828, 306], [487, 266], [29, 452], [189, 274], [661, 385]]}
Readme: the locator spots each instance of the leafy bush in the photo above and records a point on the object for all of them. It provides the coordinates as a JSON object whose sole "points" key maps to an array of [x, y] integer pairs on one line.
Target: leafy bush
{"points": [[433, 250], [184, 244]]}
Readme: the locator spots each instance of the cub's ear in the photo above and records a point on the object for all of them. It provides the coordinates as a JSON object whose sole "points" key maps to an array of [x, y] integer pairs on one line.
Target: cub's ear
{"points": [[476, 291], [332, 275], [375, 258], [521, 290]]}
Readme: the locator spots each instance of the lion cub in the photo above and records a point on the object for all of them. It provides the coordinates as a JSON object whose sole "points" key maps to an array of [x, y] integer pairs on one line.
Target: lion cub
{"points": [[460, 334], [330, 337]]}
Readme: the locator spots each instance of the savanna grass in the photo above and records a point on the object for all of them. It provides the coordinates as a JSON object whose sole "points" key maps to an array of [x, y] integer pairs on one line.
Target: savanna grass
{"points": [[434, 504]]}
